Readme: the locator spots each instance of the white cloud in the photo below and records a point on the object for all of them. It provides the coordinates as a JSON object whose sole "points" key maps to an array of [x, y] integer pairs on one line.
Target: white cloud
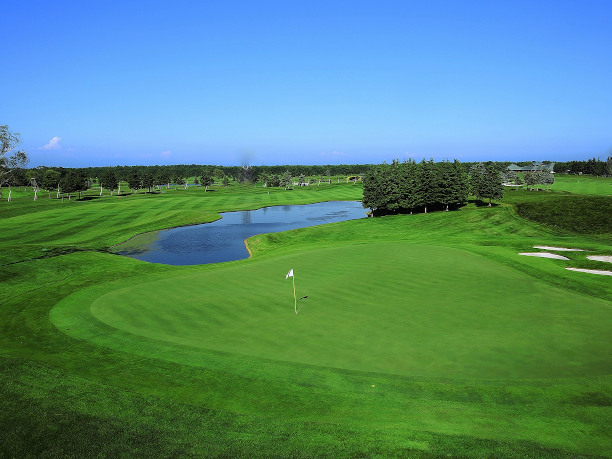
{"points": [[166, 153], [54, 144]]}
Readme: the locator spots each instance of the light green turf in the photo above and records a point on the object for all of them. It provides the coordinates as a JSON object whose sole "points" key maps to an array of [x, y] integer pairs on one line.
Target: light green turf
{"points": [[101, 222], [436, 312], [583, 184]]}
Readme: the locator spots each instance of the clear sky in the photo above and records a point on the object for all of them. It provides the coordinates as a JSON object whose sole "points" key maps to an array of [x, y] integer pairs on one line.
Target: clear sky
{"points": [[92, 83]]}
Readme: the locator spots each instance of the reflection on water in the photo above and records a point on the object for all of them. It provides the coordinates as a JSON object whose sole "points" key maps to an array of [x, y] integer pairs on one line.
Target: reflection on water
{"points": [[223, 240], [246, 217]]}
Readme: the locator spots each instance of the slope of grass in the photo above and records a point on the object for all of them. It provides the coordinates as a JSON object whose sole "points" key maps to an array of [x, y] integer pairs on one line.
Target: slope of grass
{"points": [[576, 213], [81, 376]]}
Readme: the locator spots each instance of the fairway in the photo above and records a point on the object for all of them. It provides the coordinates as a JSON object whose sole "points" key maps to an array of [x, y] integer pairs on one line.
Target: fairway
{"points": [[392, 308], [583, 184]]}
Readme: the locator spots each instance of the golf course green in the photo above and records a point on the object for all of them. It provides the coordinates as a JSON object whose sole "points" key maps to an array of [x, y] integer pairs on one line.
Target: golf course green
{"points": [[422, 323], [416, 335]]}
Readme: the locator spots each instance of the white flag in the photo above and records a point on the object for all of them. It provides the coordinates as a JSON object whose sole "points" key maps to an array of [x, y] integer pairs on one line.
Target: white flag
{"points": [[289, 274]]}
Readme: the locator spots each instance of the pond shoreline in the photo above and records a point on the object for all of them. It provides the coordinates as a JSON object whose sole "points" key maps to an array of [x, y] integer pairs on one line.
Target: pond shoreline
{"points": [[168, 248]]}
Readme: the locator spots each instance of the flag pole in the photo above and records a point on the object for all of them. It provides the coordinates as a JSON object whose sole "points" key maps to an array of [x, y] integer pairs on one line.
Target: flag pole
{"points": [[294, 297], [290, 274]]}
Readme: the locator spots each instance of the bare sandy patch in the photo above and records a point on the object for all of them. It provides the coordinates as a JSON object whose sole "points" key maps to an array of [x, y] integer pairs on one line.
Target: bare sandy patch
{"points": [[606, 258], [558, 249], [592, 271], [544, 255]]}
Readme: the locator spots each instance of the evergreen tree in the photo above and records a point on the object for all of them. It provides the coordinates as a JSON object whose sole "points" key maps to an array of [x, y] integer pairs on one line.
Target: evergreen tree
{"points": [[391, 186], [460, 184], [373, 191], [408, 189], [491, 186], [395, 187], [445, 184], [477, 172], [428, 184]]}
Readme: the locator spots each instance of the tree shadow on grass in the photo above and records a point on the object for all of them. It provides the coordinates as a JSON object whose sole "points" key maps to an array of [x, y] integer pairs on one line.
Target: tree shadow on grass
{"points": [[481, 203]]}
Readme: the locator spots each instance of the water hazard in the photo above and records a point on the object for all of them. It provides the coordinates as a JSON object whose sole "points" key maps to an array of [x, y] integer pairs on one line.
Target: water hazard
{"points": [[223, 240]]}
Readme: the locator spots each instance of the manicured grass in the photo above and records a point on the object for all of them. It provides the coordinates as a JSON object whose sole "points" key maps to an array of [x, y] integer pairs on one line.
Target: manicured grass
{"points": [[29, 227], [422, 335], [422, 323], [583, 184]]}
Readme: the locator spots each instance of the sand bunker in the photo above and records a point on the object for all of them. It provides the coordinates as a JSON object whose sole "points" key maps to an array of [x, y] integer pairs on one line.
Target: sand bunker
{"points": [[544, 255], [606, 258], [592, 271], [558, 249]]}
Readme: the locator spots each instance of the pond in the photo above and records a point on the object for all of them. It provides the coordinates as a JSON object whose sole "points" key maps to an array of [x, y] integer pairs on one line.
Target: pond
{"points": [[223, 240]]}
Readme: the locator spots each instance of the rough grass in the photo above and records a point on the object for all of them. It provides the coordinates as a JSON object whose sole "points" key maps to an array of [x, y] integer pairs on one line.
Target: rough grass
{"points": [[103, 387]]}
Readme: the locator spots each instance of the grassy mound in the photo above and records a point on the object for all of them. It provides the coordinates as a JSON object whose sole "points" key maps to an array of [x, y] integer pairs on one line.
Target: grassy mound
{"points": [[575, 213]]}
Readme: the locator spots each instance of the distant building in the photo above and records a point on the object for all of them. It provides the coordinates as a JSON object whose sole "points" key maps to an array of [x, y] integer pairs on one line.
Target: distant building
{"points": [[535, 166]]}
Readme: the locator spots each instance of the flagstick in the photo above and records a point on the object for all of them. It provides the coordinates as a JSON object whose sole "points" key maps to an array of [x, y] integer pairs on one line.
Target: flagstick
{"points": [[294, 297]]}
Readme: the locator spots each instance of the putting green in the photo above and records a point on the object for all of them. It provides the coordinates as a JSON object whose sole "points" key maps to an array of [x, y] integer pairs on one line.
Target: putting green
{"points": [[395, 308]]}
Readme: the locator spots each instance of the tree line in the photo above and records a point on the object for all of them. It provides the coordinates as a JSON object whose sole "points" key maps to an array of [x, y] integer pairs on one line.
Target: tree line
{"points": [[592, 166], [176, 173], [408, 187]]}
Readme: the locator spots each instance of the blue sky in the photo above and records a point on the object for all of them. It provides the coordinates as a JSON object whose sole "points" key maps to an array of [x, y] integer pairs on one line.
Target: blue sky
{"points": [[306, 82]]}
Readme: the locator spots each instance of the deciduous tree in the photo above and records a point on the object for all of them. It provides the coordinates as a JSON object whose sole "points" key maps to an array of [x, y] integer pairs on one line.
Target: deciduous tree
{"points": [[109, 180], [548, 178], [51, 180], [285, 180], [10, 162], [148, 181], [206, 180], [73, 182], [134, 180]]}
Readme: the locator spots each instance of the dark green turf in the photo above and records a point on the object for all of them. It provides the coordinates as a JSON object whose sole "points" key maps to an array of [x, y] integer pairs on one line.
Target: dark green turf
{"points": [[575, 213]]}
